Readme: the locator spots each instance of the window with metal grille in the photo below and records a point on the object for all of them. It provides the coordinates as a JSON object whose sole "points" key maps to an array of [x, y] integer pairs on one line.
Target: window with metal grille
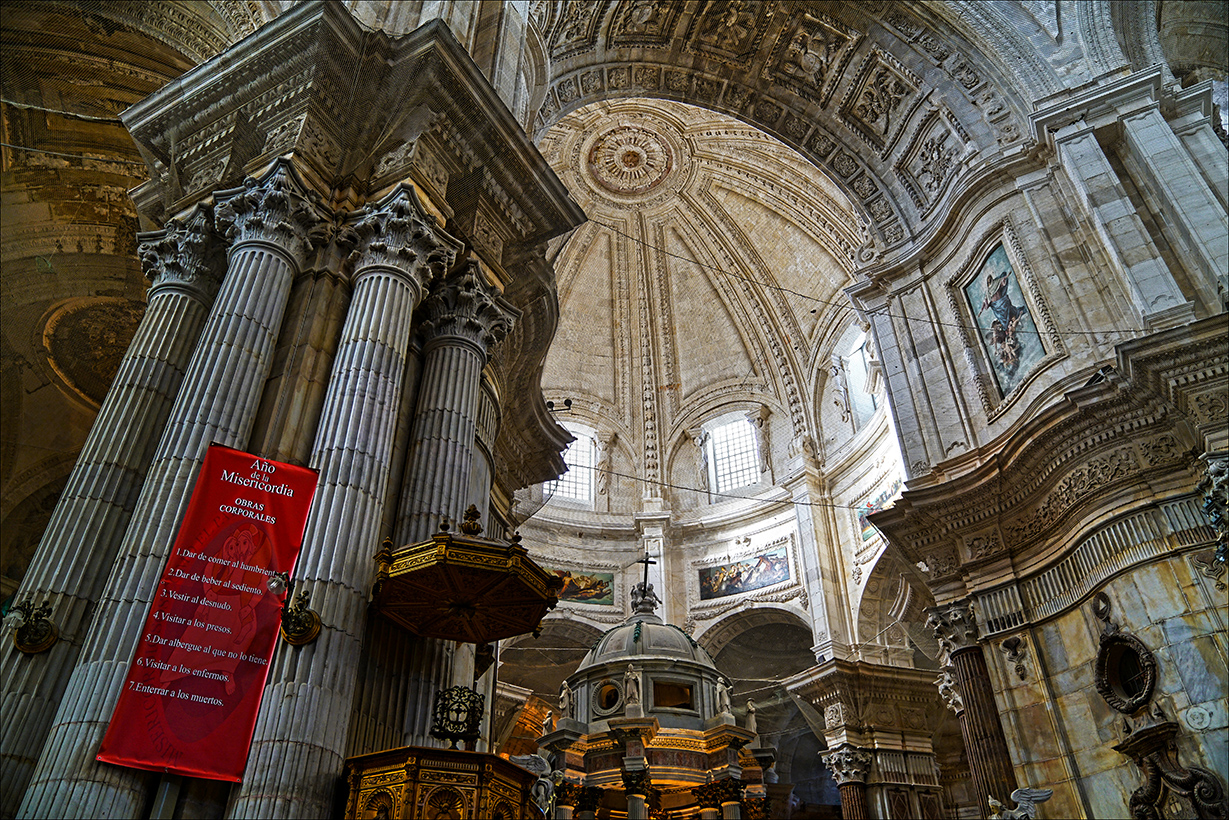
{"points": [[733, 455], [577, 483]]}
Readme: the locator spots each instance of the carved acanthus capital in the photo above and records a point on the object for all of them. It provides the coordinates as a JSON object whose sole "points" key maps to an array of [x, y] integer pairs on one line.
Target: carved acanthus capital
{"points": [[184, 256], [398, 233], [465, 306], [949, 690], [275, 209], [954, 625], [849, 764], [713, 795], [637, 782], [1215, 490]]}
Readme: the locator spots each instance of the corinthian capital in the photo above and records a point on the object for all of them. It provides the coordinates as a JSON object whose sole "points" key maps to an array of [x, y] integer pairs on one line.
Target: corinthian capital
{"points": [[466, 307], [184, 256], [954, 625], [398, 233], [275, 209], [849, 764]]}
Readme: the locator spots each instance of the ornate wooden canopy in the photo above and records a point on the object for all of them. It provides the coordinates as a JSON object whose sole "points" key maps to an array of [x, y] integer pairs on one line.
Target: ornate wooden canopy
{"points": [[459, 586]]}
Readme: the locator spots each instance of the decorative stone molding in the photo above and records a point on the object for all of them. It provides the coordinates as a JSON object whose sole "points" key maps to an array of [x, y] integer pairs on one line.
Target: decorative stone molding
{"points": [[1215, 491], [184, 256], [955, 627], [1191, 791], [848, 764], [1016, 652], [949, 690], [1125, 671]]}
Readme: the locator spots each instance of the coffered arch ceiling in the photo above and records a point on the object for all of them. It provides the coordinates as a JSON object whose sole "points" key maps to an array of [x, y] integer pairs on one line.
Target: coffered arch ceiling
{"points": [[903, 105], [710, 271]]}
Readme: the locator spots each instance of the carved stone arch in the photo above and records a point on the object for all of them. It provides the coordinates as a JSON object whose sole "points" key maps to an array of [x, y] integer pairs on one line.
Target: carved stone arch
{"points": [[1097, 32], [1135, 25], [891, 610], [994, 33], [720, 633]]}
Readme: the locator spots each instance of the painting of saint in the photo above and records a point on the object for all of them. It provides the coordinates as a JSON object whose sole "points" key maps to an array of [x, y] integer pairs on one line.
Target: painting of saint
{"points": [[591, 588], [1003, 321], [744, 576]]}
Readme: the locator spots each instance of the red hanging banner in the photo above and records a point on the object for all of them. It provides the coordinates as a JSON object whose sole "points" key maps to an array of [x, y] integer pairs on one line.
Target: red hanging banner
{"points": [[190, 701]]}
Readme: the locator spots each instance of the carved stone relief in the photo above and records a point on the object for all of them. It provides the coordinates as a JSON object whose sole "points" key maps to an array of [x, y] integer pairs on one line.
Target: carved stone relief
{"points": [[880, 99]]}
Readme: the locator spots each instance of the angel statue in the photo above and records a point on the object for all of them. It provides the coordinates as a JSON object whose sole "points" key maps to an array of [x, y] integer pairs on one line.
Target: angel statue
{"points": [[543, 789], [1026, 801]]}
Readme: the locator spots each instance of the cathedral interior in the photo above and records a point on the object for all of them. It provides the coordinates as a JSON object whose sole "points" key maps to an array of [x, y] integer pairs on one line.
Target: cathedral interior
{"points": [[858, 370]]}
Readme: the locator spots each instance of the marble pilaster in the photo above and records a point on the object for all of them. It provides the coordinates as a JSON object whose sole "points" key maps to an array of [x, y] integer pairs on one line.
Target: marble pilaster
{"points": [[79, 545], [294, 760], [985, 744], [271, 226], [1158, 299]]}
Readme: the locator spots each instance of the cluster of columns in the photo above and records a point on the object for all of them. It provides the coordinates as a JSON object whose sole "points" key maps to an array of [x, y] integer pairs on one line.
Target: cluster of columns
{"points": [[80, 544], [195, 374]]}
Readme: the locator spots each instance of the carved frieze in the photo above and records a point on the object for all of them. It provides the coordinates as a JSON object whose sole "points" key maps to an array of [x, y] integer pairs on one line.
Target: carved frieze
{"points": [[728, 29], [643, 23]]}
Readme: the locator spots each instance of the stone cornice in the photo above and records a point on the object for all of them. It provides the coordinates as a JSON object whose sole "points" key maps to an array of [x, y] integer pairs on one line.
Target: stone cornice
{"points": [[291, 89], [1137, 426]]}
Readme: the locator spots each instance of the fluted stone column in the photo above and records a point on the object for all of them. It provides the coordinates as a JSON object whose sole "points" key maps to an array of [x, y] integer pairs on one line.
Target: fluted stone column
{"points": [[80, 543], [268, 223], [985, 744], [464, 319], [298, 748], [850, 766]]}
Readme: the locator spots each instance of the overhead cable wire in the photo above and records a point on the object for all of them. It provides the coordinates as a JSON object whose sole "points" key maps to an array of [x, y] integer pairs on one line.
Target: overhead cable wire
{"points": [[808, 297]]}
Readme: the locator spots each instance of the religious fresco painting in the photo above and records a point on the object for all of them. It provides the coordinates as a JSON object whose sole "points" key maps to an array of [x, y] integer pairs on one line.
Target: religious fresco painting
{"points": [[876, 504], [587, 588], [744, 576], [1003, 321]]}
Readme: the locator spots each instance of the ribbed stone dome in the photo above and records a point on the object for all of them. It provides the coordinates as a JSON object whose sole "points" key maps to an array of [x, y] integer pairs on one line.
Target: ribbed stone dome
{"points": [[644, 637]]}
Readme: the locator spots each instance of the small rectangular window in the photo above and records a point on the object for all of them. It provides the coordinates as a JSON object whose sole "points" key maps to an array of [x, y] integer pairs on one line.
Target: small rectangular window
{"points": [[667, 695], [577, 483], [734, 455]]}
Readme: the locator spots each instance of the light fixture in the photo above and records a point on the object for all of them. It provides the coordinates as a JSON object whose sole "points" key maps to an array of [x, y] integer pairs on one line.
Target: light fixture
{"points": [[37, 632]]}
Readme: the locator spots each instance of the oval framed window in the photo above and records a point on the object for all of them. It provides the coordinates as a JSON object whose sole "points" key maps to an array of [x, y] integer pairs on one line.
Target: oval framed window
{"points": [[1125, 673], [606, 696]]}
